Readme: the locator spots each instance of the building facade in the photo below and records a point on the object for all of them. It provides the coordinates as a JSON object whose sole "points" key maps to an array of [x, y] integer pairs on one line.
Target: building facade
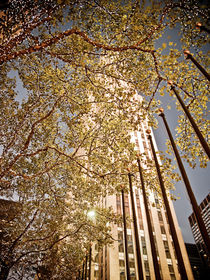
{"points": [[198, 268], [109, 263], [205, 212]]}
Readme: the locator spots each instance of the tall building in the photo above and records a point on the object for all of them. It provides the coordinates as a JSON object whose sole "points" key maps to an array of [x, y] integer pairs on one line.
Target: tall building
{"points": [[197, 265], [205, 212], [109, 263]]}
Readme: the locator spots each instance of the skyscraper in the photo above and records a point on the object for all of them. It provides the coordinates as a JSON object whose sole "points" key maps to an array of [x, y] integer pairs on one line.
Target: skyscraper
{"points": [[205, 212], [109, 263]]}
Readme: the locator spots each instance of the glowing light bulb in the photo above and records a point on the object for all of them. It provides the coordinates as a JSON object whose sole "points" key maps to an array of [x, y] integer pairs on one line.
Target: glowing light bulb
{"points": [[91, 214]]}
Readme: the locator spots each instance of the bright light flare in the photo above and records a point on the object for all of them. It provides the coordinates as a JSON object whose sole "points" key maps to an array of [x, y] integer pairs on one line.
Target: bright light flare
{"points": [[91, 214]]}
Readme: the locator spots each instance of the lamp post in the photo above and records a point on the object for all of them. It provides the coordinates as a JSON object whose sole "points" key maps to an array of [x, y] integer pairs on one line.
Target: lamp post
{"points": [[90, 256], [91, 215], [151, 237], [177, 248], [188, 55], [136, 234], [193, 201], [125, 236], [194, 125], [86, 260], [83, 269]]}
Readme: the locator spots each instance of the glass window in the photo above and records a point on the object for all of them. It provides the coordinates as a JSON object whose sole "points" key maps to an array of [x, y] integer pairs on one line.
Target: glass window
{"points": [[146, 265], [144, 249], [168, 255], [165, 244], [121, 263], [170, 267], [129, 237], [173, 277], [162, 230], [160, 217], [120, 235], [130, 249], [132, 264], [122, 275], [121, 248]]}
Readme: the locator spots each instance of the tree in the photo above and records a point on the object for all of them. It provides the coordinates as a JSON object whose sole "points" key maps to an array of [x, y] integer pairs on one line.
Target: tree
{"points": [[70, 72]]}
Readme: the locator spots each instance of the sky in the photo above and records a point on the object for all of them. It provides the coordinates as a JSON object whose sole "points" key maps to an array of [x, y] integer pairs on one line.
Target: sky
{"points": [[198, 177]]}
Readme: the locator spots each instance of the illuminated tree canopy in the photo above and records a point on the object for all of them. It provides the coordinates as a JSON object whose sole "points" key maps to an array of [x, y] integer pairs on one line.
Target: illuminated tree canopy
{"points": [[70, 73]]}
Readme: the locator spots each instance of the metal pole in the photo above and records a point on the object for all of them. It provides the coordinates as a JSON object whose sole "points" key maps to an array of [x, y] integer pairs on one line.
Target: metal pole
{"points": [[86, 259], [170, 217], [193, 201], [83, 269], [90, 255], [189, 56], [136, 234], [194, 125], [125, 238], [151, 237]]}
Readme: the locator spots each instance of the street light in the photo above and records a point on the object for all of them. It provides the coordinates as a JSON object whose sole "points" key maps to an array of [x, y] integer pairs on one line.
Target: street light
{"points": [[91, 214]]}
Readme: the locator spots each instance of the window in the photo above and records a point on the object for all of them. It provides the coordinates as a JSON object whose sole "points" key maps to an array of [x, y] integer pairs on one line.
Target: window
{"points": [[162, 230], [132, 276], [122, 275], [121, 248], [144, 248], [146, 266], [121, 263], [168, 255], [165, 244], [129, 237], [171, 269], [120, 235], [144, 251], [132, 264], [130, 249], [160, 217], [173, 277]]}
